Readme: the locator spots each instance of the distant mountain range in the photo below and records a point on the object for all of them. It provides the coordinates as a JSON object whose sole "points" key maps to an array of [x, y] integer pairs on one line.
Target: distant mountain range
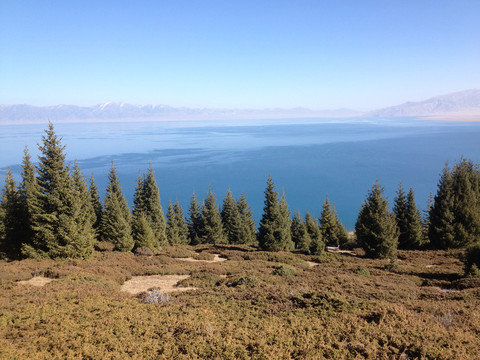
{"points": [[125, 112], [459, 103], [456, 104]]}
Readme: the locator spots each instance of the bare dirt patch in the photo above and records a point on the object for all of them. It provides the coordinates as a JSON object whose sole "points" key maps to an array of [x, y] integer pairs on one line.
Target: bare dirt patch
{"points": [[216, 258], [312, 264], [166, 283], [36, 281]]}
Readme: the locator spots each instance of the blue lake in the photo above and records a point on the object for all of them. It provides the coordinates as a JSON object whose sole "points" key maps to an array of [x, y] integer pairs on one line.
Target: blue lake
{"points": [[307, 158]]}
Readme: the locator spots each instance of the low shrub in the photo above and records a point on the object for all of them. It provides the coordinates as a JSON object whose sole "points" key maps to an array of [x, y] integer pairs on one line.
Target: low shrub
{"points": [[284, 270], [244, 280], [204, 256], [472, 261], [104, 246], [362, 271], [143, 251], [178, 251]]}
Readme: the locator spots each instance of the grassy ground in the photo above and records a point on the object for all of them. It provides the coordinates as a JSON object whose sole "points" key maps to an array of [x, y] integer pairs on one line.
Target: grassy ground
{"points": [[254, 305]]}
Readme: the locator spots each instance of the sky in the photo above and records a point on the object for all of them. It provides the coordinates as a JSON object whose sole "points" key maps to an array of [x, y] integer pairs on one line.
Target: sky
{"points": [[317, 54]]}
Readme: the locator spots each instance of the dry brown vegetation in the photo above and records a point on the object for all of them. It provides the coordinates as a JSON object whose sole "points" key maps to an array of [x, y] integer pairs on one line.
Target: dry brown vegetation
{"points": [[256, 305]]}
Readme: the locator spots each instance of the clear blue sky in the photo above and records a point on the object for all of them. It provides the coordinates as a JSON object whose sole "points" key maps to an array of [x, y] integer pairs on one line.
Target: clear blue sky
{"points": [[244, 54]]}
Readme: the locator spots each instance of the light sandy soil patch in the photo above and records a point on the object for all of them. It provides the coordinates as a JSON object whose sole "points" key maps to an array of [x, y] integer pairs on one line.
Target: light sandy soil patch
{"points": [[429, 266], [311, 263], [36, 281], [349, 252], [166, 283], [216, 258]]}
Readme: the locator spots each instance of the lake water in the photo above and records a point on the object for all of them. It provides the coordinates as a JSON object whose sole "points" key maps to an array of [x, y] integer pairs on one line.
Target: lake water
{"points": [[307, 158]]}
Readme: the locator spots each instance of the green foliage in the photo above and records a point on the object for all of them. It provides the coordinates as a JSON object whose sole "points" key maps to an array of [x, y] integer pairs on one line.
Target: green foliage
{"points": [[28, 192], [362, 271], [96, 204], [409, 220], [284, 270], [317, 245], [472, 260], [211, 226], [299, 232], [243, 280], [247, 234], [10, 218], [146, 200], [274, 231], [142, 232], [376, 227], [194, 222], [116, 217], [61, 215], [177, 230], [231, 219], [455, 214]]}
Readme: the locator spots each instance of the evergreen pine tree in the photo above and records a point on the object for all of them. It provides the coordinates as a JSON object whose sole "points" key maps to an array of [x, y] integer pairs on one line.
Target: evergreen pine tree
{"points": [[329, 225], [82, 216], [317, 245], [441, 229], [177, 230], [342, 232], [143, 235], [466, 209], [231, 219], [272, 233], [29, 203], [97, 206], [413, 235], [247, 224], [153, 207], [55, 221], [116, 216], [182, 225], [138, 198], [376, 226], [300, 236], [400, 211], [10, 209], [285, 224], [194, 222], [426, 221], [212, 228]]}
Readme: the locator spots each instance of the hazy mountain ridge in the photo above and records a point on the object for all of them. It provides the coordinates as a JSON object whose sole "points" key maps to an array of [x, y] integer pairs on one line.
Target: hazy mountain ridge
{"points": [[466, 102], [122, 111], [458, 103]]}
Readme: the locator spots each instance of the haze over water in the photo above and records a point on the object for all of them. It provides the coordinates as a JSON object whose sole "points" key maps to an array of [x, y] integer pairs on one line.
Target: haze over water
{"points": [[308, 158]]}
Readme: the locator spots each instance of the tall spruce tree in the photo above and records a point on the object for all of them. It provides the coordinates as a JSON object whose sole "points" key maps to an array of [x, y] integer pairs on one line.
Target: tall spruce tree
{"points": [[413, 235], [143, 235], [300, 236], [177, 230], [329, 225], [97, 206], [441, 231], [29, 195], [82, 216], [212, 228], [55, 220], [317, 245], [400, 211], [147, 201], [153, 207], [466, 193], [376, 227], [274, 231], [231, 219], [247, 224], [11, 216], [116, 218], [342, 232], [194, 222]]}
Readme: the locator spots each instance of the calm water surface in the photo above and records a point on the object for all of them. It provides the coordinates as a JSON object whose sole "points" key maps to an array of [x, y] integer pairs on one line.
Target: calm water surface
{"points": [[308, 158]]}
